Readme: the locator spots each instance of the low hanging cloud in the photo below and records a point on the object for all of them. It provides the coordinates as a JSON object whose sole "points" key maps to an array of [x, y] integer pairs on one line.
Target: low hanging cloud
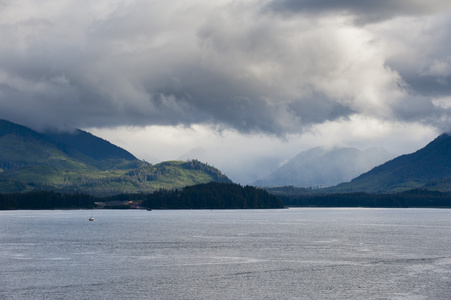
{"points": [[245, 66]]}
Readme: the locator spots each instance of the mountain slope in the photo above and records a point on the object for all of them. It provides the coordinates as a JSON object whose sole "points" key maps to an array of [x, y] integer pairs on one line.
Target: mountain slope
{"points": [[324, 167], [87, 144], [81, 162], [21, 147], [427, 167]]}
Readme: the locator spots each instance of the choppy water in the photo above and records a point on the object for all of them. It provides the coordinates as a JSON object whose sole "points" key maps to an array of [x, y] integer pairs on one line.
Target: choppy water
{"points": [[303, 253]]}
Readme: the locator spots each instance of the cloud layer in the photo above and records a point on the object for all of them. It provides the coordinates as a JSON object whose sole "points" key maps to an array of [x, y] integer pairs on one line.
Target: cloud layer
{"points": [[273, 67], [361, 12]]}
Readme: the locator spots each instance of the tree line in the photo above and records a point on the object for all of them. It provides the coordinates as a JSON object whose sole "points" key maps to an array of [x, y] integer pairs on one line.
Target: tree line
{"points": [[46, 200], [211, 195], [411, 198], [215, 195]]}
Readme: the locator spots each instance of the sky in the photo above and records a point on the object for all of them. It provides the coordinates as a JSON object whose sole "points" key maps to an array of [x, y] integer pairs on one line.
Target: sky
{"points": [[241, 85]]}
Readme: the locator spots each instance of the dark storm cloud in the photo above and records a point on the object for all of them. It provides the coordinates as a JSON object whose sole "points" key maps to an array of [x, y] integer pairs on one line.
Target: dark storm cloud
{"points": [[139, 67], [228, 64], [363, 12], [430, 86], [420, 53]]}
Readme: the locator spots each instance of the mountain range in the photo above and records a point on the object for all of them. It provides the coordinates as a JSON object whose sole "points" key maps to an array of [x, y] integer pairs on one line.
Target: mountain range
{"points": [[81, 162], [323, 167], [427, 168]]}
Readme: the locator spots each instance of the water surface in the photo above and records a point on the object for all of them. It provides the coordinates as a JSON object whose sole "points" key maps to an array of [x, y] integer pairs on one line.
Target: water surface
{"points": [[302, 253]]}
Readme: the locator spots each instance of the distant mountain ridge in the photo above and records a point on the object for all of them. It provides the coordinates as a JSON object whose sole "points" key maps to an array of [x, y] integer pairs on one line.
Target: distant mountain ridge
{"points": [[321, 167], [82, 162], [429, 167]]}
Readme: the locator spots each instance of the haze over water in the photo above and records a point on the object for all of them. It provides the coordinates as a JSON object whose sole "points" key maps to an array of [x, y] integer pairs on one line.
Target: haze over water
{"points": [[307, 253]]}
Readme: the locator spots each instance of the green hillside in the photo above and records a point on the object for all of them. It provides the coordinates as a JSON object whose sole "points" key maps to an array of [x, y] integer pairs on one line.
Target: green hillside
{"points": [[81, 162], [80, 143]]}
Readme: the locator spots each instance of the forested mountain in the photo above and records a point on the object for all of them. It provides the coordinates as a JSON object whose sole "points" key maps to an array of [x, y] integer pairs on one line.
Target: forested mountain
{"points": [[82, 142], [429, 167], [23, 146], [81, 162], [322, 167]]}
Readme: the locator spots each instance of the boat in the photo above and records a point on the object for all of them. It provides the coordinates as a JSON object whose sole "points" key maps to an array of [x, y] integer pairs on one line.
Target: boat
{"points": [[91, 219], [149, 209]]}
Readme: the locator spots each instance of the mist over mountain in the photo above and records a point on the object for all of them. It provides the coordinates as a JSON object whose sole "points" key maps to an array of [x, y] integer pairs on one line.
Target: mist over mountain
{"points": [[234, 168], [195, 153], [429, 167], [322, 167]]}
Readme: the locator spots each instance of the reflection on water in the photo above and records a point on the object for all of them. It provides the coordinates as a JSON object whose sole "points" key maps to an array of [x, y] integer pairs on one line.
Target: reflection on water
{"points": [[233, 254]]}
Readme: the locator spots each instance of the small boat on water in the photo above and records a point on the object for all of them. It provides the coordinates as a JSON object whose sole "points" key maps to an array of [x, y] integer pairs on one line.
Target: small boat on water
{"points": [[91, 219]]}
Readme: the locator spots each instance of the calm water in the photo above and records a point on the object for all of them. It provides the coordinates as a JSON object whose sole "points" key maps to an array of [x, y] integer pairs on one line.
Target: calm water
{"points": [[235, 254]]}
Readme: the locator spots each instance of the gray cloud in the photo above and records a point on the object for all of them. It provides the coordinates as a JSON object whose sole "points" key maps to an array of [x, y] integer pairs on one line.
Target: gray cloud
{"points": [[228, 64], [362, 12]]}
